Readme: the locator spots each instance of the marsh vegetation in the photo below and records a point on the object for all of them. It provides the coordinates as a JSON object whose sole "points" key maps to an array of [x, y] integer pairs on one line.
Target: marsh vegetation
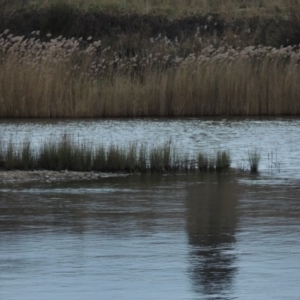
{"points": [[68, 154], [124, 62], [62, 78]]}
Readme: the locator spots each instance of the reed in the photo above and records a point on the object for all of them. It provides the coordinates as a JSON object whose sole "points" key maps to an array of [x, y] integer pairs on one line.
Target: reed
{"points": [[64, 78], [131, 160], [202, 162], [14, 157], [164, 158], [211, 163], [156, 160], [48, 157], [253, 160], [142, 160], [116, 159], [223, 160], [11, 158], [99, 161], [83, 158], [2, 157], [65, 153], [27, 157], [220, 162]]}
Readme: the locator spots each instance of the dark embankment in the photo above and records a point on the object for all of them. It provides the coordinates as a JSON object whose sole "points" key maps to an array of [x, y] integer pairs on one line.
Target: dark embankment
{"points": [[63, 19]]}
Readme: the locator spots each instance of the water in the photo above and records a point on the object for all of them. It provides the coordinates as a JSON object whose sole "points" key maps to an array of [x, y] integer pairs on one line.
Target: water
{"points": [[276, 139], [197, 236]]}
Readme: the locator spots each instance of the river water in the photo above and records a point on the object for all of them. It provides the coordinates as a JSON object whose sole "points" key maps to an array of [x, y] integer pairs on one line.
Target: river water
{"points": [[195, 236], [277, 140]]}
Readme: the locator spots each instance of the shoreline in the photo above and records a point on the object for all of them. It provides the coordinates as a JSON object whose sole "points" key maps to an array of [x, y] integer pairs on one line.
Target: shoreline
{"points": [[46, 176]]}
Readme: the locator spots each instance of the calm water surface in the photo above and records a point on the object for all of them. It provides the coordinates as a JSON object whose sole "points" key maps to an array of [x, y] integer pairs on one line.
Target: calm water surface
{"points": [[157, 237]]}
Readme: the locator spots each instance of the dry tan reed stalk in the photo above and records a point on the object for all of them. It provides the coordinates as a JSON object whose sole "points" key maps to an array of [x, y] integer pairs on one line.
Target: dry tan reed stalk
{"points": [[72, 78]]}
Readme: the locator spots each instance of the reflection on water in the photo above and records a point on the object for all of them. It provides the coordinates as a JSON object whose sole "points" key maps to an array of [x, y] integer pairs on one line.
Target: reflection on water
{"points": [[151, 237], [212, 220]]}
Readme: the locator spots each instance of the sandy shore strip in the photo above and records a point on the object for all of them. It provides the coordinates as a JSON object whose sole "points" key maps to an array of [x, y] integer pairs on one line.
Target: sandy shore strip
{"points": [[52, 176]]}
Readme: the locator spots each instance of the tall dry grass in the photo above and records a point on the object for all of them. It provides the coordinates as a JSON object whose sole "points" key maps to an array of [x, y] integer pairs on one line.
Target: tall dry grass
{"points": [[80, 78]]}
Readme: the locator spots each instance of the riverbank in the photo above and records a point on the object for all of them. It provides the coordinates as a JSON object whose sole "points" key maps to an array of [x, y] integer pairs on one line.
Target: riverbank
{"points": [[46, 176]]}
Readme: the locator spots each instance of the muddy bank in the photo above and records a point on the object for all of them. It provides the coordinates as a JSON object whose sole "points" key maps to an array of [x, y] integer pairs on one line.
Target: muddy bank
{"points": [[51, 176]]}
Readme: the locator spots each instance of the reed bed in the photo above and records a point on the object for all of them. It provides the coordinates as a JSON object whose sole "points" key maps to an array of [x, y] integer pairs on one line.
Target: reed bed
{"points": [[253, 160], [80, 78], [67, 154]]}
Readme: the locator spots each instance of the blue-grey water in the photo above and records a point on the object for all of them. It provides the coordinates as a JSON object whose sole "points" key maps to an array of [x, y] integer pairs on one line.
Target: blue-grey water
{"points": [[276, 139], [196, 236]]}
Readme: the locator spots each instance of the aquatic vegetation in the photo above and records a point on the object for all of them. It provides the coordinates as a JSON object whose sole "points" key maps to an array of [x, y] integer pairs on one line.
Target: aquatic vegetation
{"points": [[65, 153], [202, 162], [115, 159], [253, 160], [27, 158], [10, 156], [99, 161], [142, 159], [223, 160]]}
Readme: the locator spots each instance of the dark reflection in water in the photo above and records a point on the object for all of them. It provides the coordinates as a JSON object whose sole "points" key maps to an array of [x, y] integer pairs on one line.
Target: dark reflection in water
{"points": [[151, 237], [211, 225], [110, 206]]}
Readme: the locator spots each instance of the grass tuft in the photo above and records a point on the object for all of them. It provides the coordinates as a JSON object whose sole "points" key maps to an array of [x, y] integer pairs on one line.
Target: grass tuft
{"points": [[65, 154], [253, 160], [223, 160], [27, 159], [202, 162]]}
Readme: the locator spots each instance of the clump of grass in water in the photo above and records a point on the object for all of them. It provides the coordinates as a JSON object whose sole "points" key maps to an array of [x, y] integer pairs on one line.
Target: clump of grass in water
{"points": [[99, 162], [220, 162], [116, 159], [156, 158], [131, 159], [1, 155], [211, 163], [253, 160], [66, 154], [82, 158], [27, 158], [163, 159], [223, 160], [184, 163], [142, 161], [202, 161], [10, 157], [48, 157]]}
